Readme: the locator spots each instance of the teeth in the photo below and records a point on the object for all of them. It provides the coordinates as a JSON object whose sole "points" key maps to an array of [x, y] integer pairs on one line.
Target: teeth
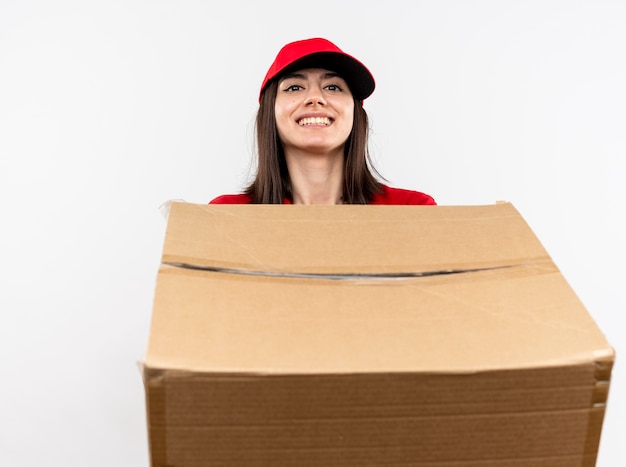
{"points": [[314, 121]]}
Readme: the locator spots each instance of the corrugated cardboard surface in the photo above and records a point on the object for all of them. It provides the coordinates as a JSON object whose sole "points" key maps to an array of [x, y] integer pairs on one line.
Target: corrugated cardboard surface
{"points": [[368, 335]]}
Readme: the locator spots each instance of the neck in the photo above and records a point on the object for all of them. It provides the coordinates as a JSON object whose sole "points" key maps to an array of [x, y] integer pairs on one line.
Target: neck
{"points": [[316, 179]]}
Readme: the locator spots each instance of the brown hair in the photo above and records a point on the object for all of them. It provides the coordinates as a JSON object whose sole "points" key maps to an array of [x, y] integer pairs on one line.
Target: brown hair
{"points": [[272, 184]]}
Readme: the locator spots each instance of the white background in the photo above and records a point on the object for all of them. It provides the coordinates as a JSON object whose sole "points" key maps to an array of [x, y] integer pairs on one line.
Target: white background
{"points": [[108, 109]]}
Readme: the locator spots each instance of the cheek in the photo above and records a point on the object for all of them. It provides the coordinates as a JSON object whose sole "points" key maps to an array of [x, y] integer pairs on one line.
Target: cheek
{"points": [[280, 118], [349, 119], [284, 105], [282, 112]]}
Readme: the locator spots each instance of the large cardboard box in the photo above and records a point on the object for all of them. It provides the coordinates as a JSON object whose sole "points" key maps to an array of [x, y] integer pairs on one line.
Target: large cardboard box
{"points": [[368, 335]]}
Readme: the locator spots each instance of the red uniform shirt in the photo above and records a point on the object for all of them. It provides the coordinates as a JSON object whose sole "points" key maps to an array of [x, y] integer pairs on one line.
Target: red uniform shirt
{"points": [[388, 196]]}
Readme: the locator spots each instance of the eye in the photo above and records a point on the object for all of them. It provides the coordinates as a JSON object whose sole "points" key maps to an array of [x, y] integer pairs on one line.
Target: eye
{"points": [[292, 88], [334, 87]]}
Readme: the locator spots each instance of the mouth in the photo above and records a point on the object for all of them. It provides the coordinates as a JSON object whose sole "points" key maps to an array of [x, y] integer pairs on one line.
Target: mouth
{"points": [[323, 121]]}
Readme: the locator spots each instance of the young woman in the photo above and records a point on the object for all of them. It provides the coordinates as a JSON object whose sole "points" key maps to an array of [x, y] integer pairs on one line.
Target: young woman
{"points": [[312, 133]]}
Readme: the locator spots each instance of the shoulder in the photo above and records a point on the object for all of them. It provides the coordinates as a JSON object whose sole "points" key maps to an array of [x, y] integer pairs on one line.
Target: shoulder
{"points": [[391, 195], [232, 199]]}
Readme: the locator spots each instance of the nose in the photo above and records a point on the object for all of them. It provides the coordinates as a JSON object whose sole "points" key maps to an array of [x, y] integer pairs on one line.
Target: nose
{"points": [[315, 97]]}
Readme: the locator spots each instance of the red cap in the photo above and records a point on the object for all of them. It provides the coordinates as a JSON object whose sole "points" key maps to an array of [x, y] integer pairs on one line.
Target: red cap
{"points": [[321, 53]]}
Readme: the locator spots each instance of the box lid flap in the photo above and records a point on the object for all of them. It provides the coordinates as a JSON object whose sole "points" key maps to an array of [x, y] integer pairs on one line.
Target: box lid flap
{"points": [[348, 239]]}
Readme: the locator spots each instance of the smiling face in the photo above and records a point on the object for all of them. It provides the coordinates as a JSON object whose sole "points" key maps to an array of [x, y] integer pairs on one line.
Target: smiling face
{"points": [[314, 112]]}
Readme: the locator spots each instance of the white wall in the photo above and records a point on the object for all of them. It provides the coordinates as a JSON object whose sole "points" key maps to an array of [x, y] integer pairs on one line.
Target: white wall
{"points": [[108, 109]]}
